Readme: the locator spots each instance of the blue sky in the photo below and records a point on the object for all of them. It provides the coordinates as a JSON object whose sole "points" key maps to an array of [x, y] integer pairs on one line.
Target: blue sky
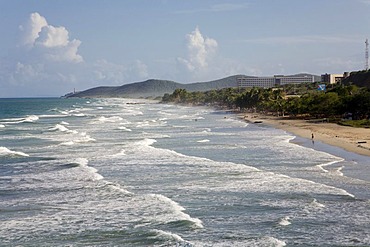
{"points": [[50, 47]]}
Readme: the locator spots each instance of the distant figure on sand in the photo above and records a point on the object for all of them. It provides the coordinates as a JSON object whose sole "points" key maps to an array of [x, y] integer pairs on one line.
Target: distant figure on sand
{"points": [[312, 137]]}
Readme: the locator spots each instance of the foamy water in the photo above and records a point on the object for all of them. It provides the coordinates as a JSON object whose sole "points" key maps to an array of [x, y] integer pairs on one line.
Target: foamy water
{"points": [[110, 173]]}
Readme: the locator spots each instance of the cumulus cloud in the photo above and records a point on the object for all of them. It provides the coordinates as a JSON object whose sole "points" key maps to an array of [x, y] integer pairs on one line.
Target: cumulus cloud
{"points": [[200, 51], [202, 61], [47, 62], [31, 29], [48, 41]]}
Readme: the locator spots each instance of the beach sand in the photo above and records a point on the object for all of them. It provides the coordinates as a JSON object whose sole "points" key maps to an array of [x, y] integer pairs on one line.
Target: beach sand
{"points": [[356, 140]]}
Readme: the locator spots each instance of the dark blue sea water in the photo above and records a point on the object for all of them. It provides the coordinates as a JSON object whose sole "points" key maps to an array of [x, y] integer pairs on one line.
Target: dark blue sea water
{"points": [[119, 172]]}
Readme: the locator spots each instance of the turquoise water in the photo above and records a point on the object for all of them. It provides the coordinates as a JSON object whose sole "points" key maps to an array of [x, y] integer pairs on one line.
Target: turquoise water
{"points": [[119, 172]]}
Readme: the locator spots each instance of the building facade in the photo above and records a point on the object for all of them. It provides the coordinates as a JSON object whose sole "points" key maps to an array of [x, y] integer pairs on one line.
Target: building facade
{"points": [[333, 78], [275, 81]]}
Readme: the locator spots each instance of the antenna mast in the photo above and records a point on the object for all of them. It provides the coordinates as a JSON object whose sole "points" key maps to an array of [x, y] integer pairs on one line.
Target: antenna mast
{"points": [[367, 54]]}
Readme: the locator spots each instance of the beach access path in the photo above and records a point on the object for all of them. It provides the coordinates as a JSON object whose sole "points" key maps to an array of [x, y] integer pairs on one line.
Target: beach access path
{"points": [[356, 140]]}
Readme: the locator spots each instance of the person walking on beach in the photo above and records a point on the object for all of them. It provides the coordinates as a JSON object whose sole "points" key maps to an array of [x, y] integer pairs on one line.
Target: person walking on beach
{"points": [[312, 138]]}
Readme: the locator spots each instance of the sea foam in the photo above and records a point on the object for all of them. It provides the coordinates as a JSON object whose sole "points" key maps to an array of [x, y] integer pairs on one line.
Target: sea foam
{"points": [[285, 221], [83, 162], [62, 128], [177, 210], [167, 235], [7, 152], [31, 119]]}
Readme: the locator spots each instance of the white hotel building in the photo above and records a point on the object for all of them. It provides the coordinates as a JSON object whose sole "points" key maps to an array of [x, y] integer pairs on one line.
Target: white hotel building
{"points": [[275, 81]]}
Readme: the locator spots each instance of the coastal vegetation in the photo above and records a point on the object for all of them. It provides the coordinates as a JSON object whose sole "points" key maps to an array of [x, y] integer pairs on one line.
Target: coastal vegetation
{"points": [[338, 102]]}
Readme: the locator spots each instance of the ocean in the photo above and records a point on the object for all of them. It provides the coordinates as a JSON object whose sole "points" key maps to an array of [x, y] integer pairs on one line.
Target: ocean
{"points": [[123, 172]]}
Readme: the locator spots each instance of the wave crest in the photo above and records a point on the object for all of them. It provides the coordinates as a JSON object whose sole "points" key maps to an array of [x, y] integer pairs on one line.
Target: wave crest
{"points": [[7, 152]]}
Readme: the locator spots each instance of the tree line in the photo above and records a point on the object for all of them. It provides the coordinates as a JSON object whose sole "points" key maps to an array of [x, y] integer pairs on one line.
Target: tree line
{"points": [[336, 102]]}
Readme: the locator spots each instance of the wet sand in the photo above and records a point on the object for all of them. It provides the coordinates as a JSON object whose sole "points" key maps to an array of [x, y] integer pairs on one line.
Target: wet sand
{"points": [[356, 140]]}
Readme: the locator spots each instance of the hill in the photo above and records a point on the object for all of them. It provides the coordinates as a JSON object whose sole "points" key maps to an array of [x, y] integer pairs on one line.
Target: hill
{"points": [[154, 88], [358, 78]]}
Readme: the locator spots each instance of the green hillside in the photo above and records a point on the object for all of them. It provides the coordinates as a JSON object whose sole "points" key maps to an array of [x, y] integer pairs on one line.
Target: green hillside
{"points": [[358, 78], [154, 88]]}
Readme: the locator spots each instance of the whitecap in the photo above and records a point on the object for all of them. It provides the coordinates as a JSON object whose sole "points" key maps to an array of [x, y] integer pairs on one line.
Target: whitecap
{"points": [[124, 128], [316, 204], [147, 142], [339, 171], [166, 235], [62, 128], [7, 152], [83, 162], [85, 139], [177, 209], [68, 143], [110, 119], [116, 188], [202, 141], [31, 119], [28, 119], [64, 112], [271, 241], [59, 127], [2, 126], [285, 221]]}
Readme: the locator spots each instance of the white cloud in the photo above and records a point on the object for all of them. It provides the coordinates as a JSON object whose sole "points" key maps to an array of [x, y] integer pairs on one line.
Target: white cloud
{"points": [[32, 28], [200, 51], [50, 36], [47, 62], [48, 41]]}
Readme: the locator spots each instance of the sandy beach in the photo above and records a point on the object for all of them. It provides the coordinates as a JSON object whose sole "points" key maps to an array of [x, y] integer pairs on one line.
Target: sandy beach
{"points": [[355, 140]]}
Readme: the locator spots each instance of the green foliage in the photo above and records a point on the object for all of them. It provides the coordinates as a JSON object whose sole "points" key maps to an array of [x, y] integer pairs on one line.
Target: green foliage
{"points": [[364, 123], [334, 103]]}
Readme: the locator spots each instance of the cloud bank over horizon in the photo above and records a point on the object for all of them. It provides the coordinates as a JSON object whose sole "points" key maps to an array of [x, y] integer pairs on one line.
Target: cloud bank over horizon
{"points": [[49, 48], [47, 62], [47, 58]]}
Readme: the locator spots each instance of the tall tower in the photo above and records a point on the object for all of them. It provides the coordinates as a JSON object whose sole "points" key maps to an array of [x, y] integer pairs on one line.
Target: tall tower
{"points": [[367, 54]]}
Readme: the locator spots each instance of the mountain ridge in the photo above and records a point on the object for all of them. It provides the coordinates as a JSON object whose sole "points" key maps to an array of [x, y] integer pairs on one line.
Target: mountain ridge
{"points": [[153, 88]]}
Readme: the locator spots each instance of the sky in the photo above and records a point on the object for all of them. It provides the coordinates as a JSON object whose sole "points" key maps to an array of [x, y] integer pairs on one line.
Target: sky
{"points": [[52, 47]]}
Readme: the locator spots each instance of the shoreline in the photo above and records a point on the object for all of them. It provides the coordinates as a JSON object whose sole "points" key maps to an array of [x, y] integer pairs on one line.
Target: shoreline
{"points": [[355, 140]]}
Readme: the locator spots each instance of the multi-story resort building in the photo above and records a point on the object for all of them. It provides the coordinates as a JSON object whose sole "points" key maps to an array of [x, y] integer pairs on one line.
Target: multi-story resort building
{"points": [[275, 81], [334, 78]]}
